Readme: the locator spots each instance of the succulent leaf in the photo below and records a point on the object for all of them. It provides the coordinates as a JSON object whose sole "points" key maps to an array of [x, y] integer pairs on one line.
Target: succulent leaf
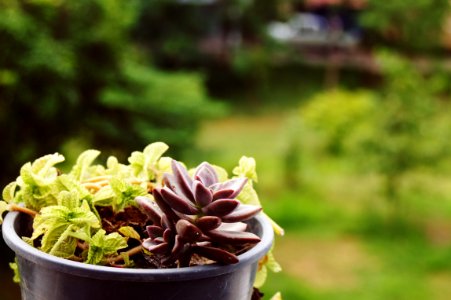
{"points": [[154, 231], [223, 194], [206, 174], [216, 254], [187, 231], [165, 208], [180, 247], [202, 194], [221, 207], [166, 223], [235, 185], [178, 203], [183, 179], [149, 208], [242, 213], [155, 248], [233, 237], [171, 182], [193, 212], [168, 235], [237, 226], [207, 223], [159, 240]]}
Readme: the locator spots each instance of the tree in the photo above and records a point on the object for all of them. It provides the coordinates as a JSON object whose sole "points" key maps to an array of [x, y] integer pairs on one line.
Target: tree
{"points": [[68, 69]]}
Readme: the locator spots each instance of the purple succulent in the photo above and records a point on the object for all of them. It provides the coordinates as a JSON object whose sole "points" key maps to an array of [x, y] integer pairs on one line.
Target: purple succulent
{"points": [[197, 215]]}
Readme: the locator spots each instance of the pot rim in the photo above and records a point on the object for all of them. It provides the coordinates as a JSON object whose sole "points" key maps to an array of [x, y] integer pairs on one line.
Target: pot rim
{"points": [[22, 249]]}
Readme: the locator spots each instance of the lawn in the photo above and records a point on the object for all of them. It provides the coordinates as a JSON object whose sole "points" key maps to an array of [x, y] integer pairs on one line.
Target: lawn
{"points": [[340, 242]]}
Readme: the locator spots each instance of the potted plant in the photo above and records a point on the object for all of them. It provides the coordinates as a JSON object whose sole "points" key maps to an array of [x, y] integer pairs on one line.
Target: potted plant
{"points": [[149, 228]]}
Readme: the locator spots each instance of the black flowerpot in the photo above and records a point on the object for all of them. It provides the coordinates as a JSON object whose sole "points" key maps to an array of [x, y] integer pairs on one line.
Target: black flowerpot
{"points": [[46, 277]]}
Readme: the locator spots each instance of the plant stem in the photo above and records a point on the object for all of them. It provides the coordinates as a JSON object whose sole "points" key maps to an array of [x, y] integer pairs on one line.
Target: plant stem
{"points": [[75, 258], [92, 186], [82, 246], [99, 178], [130, 252], [15, 207]]}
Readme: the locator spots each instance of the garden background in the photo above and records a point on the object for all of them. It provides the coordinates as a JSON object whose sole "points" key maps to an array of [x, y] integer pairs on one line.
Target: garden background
{"points": [[344, 104]]}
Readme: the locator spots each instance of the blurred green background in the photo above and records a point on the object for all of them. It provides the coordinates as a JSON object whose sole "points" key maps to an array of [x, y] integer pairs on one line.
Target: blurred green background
{"points": [[344, 104]]}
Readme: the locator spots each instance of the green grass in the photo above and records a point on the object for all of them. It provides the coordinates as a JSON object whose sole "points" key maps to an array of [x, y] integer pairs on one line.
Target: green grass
{"points": [[341, 242], [290, 287]]}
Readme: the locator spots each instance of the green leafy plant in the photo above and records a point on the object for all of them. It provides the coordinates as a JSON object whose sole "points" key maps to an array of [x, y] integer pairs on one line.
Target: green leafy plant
{"points": [[404, 133], [412, 25], [74, 64], [195, 214], [335, 114], [149, 213]]}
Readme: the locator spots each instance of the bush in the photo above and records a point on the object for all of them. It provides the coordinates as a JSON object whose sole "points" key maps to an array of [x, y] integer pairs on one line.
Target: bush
{"points": [[334, 115], [406, 132], [410, 25], [404, 128], [68, 69], [154, 105]]}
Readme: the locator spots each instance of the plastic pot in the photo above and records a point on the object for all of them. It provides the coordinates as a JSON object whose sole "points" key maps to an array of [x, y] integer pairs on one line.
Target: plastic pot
{"points": [[46, 277]]}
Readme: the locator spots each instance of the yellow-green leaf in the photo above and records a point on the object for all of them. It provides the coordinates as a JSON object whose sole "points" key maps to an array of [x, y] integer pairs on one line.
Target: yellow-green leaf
{"points": [[104, 196], [144, 163], [271, 263], [84, 161], [9, 192], [277, 296], [15, 267], [129, 232], [51, 236], [246, 168], [277, 228], [248, 195], [3, 207], [154, 151], [260, 277], [65, 245], [69, 199], [102, 245]]}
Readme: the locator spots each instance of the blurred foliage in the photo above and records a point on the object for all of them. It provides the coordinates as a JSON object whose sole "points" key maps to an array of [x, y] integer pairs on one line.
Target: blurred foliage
{"points": [[393, 131], [71, 63], [334, 114], [338, 205], [226, 39], [409, 25], [158, 28], [406, 131], [157, 106], [68, 69]]}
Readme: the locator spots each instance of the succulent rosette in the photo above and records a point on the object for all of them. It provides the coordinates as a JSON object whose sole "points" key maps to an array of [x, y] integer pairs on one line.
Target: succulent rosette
{"points": [[197, 215]]}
